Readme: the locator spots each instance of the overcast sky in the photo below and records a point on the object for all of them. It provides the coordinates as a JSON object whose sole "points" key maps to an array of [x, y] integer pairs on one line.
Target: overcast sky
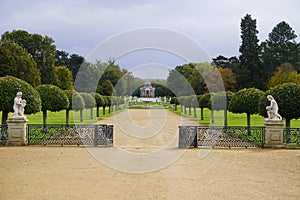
{"points": [[79, 26]]}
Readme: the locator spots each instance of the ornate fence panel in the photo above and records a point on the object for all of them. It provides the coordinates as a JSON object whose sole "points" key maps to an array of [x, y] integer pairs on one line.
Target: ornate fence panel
{"points": [[221, 136], [4, 134], [60, 134], [291, 136]]}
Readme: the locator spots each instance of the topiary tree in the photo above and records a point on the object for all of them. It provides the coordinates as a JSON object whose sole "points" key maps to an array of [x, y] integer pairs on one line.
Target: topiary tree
{"points": [[9, 86], [53, 99], [194, 103], [287, 97], [246, 101], [100, 102], [220, 101], [174, 100], [76, 103], [89, 102], [203, 101]]}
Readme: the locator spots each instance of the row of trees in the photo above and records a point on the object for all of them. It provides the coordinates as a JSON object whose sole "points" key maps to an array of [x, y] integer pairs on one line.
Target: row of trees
{"points": [[47, 97], [260, 65], [248, 100]]}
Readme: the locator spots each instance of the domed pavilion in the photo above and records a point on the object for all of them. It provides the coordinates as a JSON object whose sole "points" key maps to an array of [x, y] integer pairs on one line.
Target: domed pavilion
{"points": [[147, 90]]}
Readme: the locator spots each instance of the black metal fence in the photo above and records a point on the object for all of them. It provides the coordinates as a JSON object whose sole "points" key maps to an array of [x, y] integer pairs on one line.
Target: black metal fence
{"points": [[60, 134], [4, 134], [194, 136]]}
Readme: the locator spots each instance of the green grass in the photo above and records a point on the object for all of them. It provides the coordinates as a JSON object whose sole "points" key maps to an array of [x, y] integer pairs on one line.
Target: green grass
{"points": [[233, 119], [60, 117]]}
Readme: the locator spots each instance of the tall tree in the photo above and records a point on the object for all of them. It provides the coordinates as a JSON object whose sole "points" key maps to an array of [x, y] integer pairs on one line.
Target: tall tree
{"points": [[64, 78], [17, 62], [41, 49], [249, 73], [281, 47], [62, 58]]}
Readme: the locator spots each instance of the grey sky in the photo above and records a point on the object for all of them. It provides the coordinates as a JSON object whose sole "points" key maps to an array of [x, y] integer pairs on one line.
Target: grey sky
{"points": [[79, 26]]}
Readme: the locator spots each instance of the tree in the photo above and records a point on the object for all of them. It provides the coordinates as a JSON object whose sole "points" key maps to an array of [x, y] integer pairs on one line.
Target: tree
{"points": [[100, 102], [228, 78], [76, 103], [41, 49], [89, 102], [9, 86], [246, 101], [203, 101], [64, 78], [284, 74], [87, 78], [194, 104], [287, 97], [75, 62], [281, 47], [220, 101], [174, 100], [53, 99], [112, 73], [62, 58], [106, 88], [16, 61], [250, 71]]}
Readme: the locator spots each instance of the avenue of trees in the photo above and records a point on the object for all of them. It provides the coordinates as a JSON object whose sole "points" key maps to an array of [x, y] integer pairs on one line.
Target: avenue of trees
{"points": [[53, 80]]}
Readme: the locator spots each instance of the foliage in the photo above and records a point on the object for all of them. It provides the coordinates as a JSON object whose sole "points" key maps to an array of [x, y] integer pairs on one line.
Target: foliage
{"points": [[64, 78], [284, 74], [53, 98], [246, 101], [89, 100], [100, 100], [287, 97], [204, 100], [250, 69], [16, 61], [106, 88], [75, 100], [87, 78], [220, 100], [9, 86], [281, 47], [228, 79], [41, 49]]}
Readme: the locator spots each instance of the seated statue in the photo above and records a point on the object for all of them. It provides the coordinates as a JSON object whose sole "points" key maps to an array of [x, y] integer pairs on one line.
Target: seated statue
{"points": [[272, 109], [19, 105]]}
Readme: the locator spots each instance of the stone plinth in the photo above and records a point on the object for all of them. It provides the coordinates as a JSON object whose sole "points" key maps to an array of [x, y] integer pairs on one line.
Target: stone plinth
{"points": [[17, 131], [273, 133]]}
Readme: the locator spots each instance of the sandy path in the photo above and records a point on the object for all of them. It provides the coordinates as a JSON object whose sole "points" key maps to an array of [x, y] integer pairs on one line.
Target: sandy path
{"points": [[73, 173]]}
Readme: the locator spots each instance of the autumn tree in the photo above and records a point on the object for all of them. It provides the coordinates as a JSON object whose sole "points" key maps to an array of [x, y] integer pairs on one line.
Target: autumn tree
{"points": [[284, 74]]}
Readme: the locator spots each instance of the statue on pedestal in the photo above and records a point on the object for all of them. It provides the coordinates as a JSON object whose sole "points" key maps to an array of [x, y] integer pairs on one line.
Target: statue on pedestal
{"points": [[19, 105], [272, 109]]}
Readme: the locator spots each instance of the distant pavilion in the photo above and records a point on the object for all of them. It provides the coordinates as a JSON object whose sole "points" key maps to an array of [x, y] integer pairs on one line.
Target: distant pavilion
{"points": [[147, 90]]}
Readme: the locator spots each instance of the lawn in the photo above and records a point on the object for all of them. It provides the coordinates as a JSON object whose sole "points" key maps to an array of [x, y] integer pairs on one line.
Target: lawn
{"points": [[60, 117]]}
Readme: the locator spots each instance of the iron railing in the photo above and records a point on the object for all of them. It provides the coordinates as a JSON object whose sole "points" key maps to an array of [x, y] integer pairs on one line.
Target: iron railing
{"points": [[61, 134]]}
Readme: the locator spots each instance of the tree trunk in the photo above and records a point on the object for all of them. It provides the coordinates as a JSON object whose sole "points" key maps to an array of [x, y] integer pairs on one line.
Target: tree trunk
{"points": [[212, 116], [91, 113], [109, 109], [81, 117], [248, 123], [195, 112], [97, 111], [103, 110], [288, 126], [184, 109], [190, 110], [181, 108], [45, 117], [67, 116], [225, 118], [202, 117], [4, 117]]}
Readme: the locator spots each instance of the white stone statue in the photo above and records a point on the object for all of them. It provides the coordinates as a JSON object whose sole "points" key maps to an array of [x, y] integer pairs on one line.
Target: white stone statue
{"points": [[19, 105], [272, 109]]}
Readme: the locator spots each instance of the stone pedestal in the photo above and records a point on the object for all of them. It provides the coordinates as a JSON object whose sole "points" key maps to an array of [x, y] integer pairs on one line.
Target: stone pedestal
{"points": [[17, 131], [273, 133]]}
